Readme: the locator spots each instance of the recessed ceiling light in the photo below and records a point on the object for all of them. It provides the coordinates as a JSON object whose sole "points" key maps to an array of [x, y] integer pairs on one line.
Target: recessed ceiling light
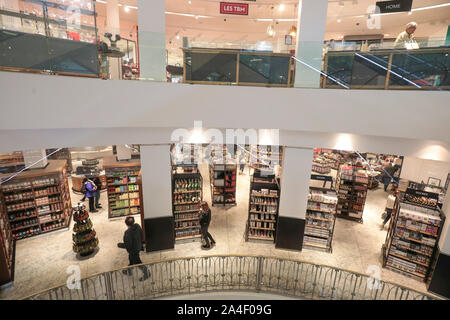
{"points": [[190, 2], [339, 20], [127, 9], [281, 7], [196, 17]]}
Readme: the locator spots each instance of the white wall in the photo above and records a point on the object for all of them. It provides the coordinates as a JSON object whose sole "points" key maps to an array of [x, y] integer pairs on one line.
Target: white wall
{"points": [[420, 170], [31, 101]]}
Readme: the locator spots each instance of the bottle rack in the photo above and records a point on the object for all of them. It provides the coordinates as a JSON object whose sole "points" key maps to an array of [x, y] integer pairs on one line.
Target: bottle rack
{"points": [[187, 194], [263, 207], [320, 216], [38, 201], [123, 188], [265, 156], [7, 244], [351, 187], [413, 235], [223, 184]]}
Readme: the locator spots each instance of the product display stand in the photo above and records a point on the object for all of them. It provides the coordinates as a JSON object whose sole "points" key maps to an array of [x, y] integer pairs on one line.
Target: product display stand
{"points": [[265, 157], [223, 183], [351, 187], [7, 245], [187, 194], [414, 232], [11, 162], [38, 200], [320, 215], [85, 239], [123, 187], [263, 206]]}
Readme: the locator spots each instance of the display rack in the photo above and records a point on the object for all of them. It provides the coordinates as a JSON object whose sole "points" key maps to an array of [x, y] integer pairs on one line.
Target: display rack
{"points": [[263, 206], [11, 162], [6, 247], [265, 157], [320, 215], [63, 154], [413, 235], [187, 194], [223, 183], [123, 187], [351, 187], [38, 201]]}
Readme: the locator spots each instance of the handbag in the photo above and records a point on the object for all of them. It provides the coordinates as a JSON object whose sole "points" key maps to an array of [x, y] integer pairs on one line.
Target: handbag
{"points": [[383, 215]]}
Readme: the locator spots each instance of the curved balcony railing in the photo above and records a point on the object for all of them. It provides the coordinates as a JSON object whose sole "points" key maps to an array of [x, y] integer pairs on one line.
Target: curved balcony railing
{"points": [[231, 273]]}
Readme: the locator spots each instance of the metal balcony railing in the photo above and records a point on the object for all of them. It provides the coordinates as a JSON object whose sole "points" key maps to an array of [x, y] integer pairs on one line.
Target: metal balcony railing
{"points": [[232, 273]]}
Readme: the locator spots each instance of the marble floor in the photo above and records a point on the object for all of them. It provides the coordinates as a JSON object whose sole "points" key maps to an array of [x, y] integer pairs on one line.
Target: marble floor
{"points": [[42, 262]]}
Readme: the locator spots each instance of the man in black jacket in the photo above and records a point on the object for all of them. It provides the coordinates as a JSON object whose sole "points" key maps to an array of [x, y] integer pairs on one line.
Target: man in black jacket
{"points": [[132, 242]]}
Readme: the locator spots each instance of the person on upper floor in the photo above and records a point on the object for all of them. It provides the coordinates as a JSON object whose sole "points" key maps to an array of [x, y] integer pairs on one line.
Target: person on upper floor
{"points": [[406, 38]]}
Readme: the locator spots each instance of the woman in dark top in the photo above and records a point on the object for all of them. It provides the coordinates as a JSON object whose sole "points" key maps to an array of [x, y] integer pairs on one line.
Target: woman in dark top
{"points": [[205, 219]]}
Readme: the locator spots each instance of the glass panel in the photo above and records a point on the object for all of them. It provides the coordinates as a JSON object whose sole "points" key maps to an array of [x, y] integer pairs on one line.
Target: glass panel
{"points": [[205, 66], [369, 69], [421, 69], [339, 67], [255, 68]]}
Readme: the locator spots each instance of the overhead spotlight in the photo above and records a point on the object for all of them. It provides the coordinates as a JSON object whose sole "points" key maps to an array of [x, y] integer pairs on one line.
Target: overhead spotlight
{"points": [[270, 31], [196, 17], [339, 20], [189, 2], [409, 13], [177, 36], [127, 9], [293, 31], [281, 7]]}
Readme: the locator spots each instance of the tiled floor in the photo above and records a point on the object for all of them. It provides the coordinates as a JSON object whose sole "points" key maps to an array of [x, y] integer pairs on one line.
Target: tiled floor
{"points": [[41, 262]]}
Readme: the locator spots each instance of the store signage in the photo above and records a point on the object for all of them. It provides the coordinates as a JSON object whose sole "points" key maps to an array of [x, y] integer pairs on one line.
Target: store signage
{"points": [[419, 193], [234, 8], [322, 178], [394, 6]]}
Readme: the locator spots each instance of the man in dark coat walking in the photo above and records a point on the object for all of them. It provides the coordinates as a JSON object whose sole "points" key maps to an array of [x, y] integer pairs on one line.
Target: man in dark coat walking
{"points": [[205, 219], [132, 242]]}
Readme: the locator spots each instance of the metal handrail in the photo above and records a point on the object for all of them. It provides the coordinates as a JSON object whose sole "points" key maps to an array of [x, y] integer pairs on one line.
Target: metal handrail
{"points": [[232, 272]]}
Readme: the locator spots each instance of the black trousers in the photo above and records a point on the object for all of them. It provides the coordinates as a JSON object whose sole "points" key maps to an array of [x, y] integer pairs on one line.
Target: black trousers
{"points": [[206, 235], [136, 259], [91, 204], [388, 216]]}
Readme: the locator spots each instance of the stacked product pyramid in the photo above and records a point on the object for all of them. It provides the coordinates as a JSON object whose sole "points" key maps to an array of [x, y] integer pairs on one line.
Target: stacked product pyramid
{"points": [[84, 238]]}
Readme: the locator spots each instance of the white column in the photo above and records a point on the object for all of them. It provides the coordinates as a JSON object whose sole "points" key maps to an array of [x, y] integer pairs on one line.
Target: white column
{"points": [[295, 179], [113, 27], [312, 19], [152, 39], [156, 181]]}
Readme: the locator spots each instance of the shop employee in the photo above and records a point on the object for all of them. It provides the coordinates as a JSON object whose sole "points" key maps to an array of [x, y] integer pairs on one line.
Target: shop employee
{"points": [[406, 38]]}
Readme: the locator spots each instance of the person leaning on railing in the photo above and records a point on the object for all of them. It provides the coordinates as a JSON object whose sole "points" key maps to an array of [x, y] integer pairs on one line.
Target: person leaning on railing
{"points": [[406, 38]]}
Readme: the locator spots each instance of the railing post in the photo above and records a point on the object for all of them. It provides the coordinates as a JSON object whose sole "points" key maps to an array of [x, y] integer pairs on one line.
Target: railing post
{"points": [[259, 268], [108, 286]]}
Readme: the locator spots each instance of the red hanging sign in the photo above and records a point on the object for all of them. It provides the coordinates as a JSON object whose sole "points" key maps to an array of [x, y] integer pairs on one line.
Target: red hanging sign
{"points": [[234, 8]]}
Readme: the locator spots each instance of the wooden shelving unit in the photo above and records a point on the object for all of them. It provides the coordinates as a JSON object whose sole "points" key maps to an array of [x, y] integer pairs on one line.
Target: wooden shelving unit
{"points": [[265, 157], [187, 194], [11, 162], [351, 187], [6, 247], [223, 184], [320, 215], [37, 201], [123, 187], [413, 236], [263, 207], [63, 154]]}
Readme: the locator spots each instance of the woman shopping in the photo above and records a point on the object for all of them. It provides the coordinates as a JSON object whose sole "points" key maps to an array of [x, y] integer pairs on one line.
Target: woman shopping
{"points": [[205, 219]]}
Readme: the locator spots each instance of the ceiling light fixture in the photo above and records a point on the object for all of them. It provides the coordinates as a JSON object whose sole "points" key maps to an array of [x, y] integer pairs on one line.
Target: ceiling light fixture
{"points": [[281, 7], [270, 31], [339, 20], [127, 9]]}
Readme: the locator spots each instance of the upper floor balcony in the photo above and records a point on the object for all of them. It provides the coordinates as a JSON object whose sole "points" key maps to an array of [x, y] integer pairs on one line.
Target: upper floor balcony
{"points": [[271, 43]]}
